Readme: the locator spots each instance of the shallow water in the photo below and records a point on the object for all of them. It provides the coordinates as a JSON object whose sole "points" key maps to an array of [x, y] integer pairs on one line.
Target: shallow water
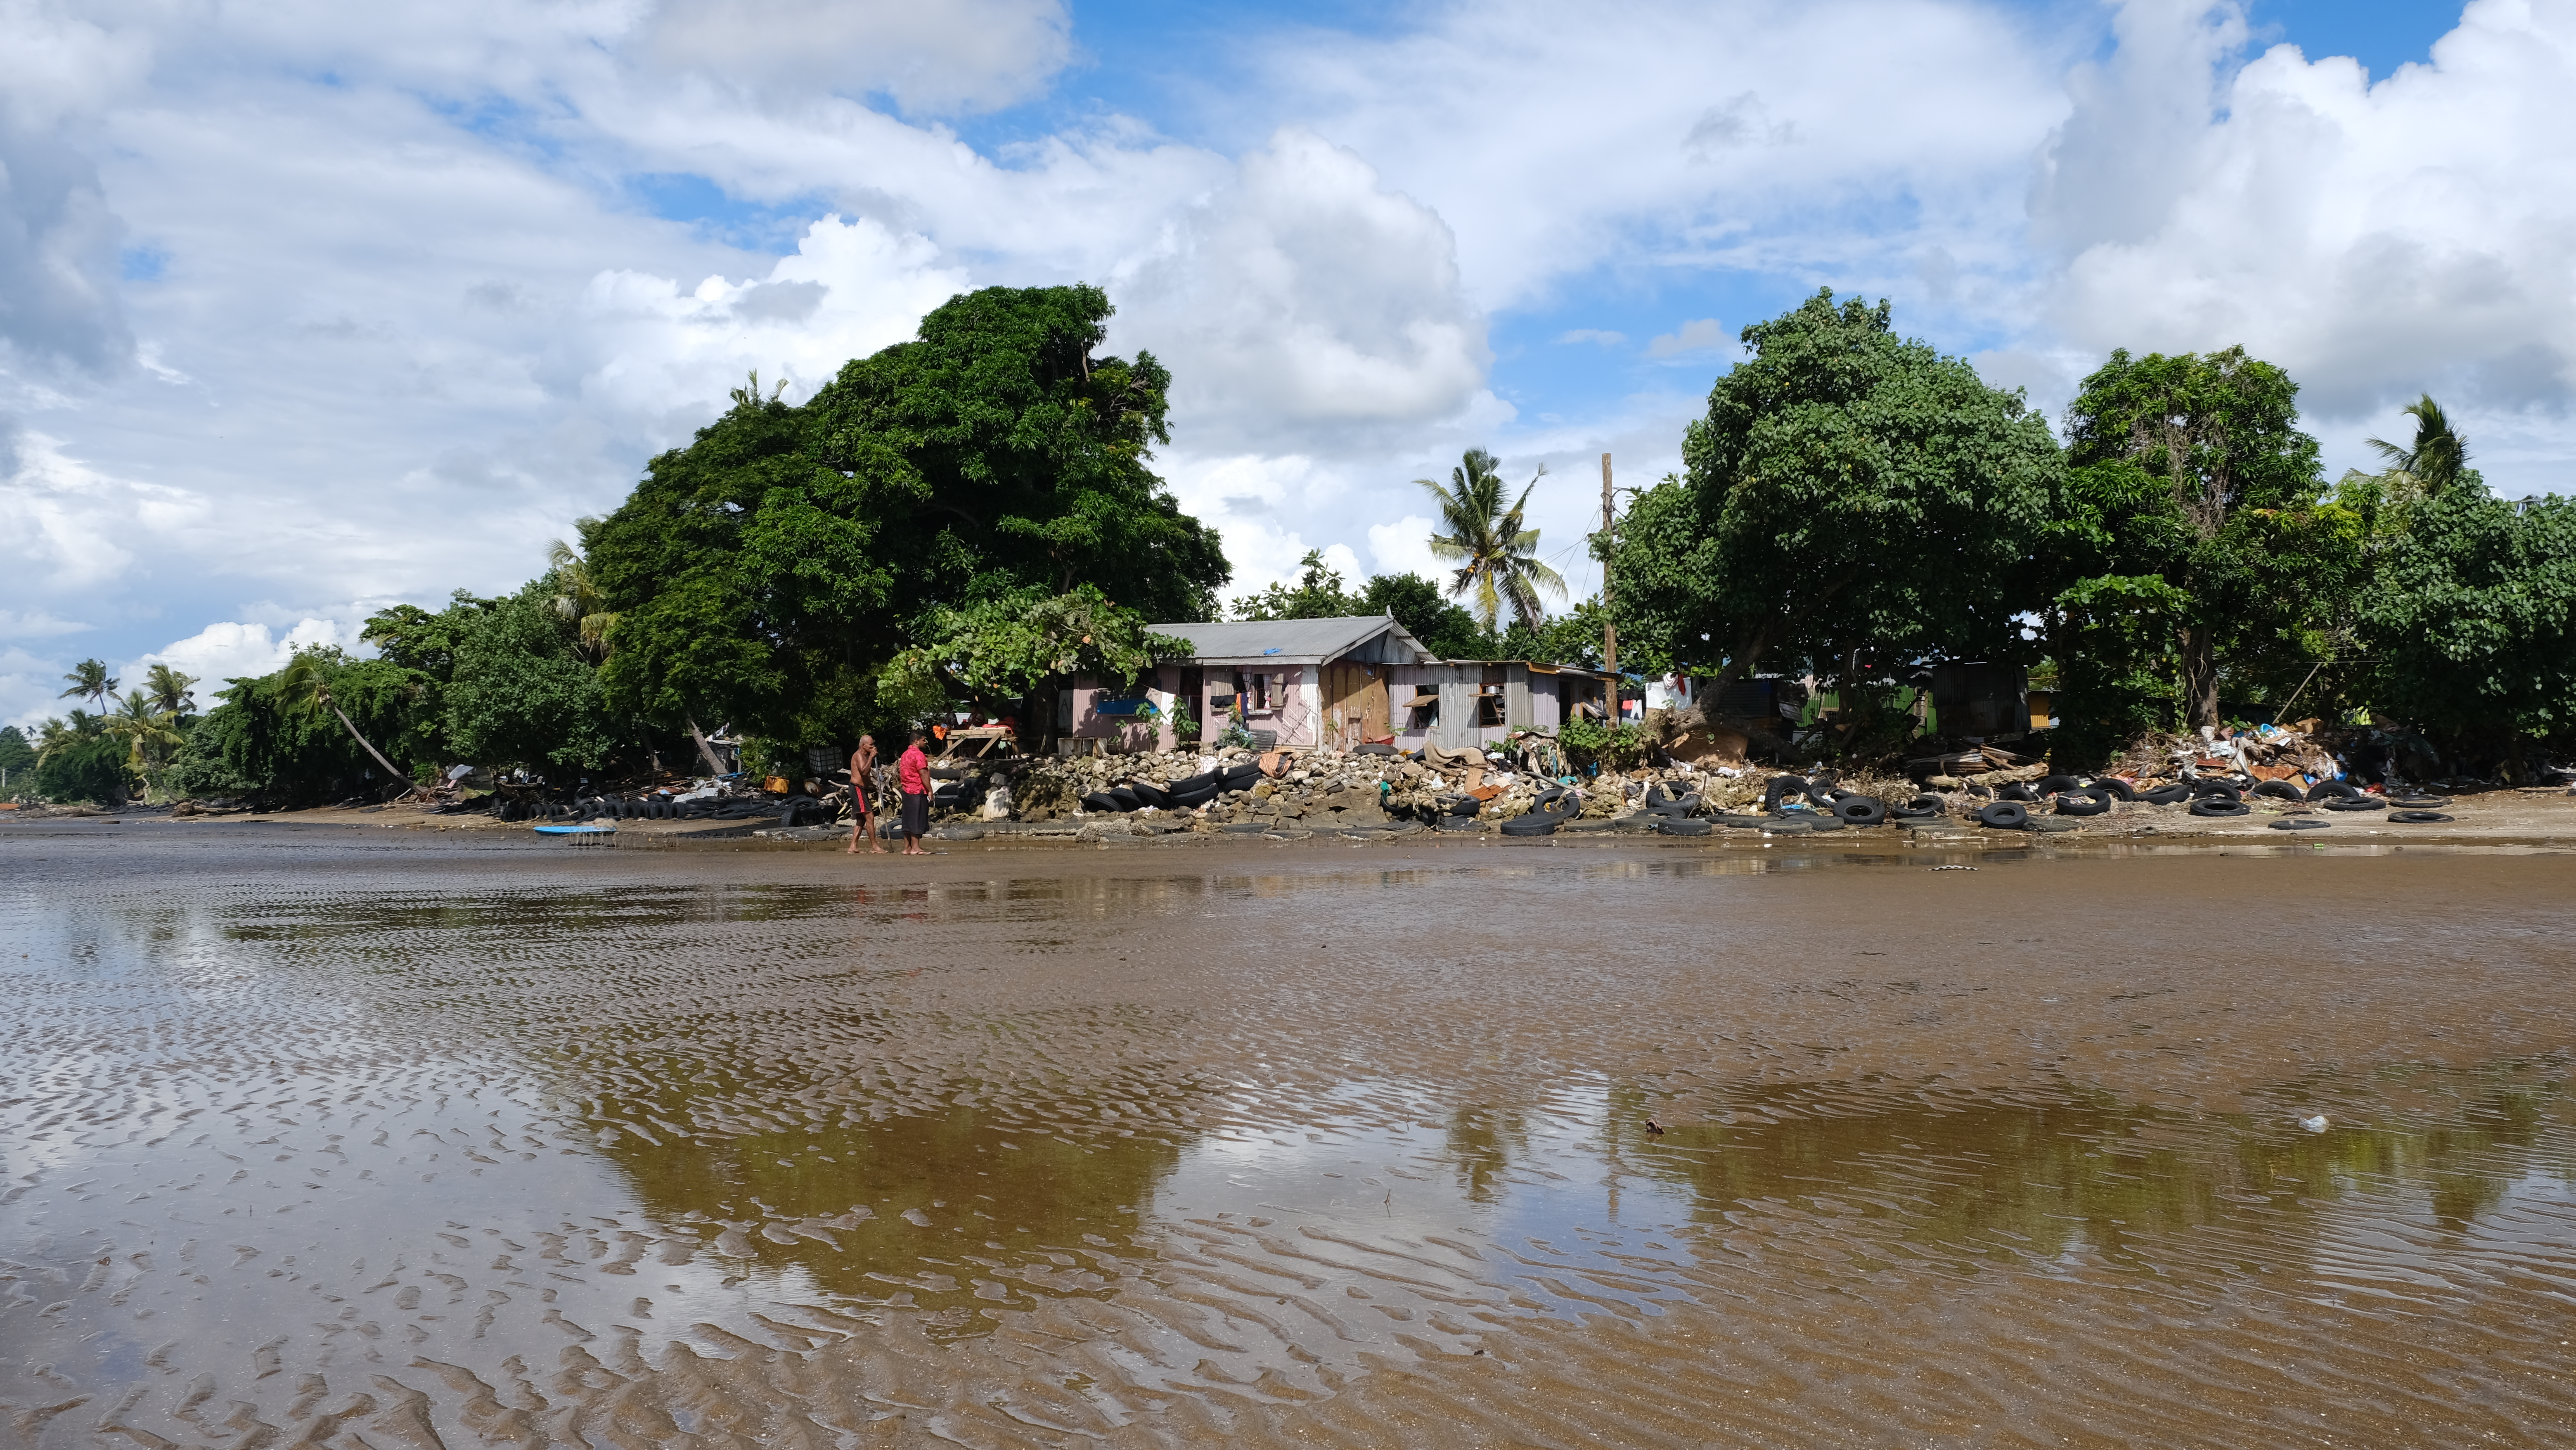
{"points": [[314, 1140]]}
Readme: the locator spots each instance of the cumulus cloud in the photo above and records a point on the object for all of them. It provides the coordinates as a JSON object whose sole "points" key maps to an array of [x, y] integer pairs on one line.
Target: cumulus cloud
{"points": [[1685, 133], [850, 289], [1308, 296], [2376, 240], [230, 650], [397, 309], [956, 55], [1404, 547]]}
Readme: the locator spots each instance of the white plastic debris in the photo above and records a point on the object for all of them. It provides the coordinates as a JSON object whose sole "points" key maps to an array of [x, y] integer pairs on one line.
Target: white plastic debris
{"points": [[2315, 1124]]}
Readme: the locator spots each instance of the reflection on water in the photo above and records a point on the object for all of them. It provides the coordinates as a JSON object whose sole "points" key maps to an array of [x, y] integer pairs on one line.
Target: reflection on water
{"points": [[480, 1159], [958, 1212], [1966, 1181]]}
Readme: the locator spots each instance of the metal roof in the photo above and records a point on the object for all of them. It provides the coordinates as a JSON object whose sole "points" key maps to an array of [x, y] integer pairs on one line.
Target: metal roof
{"points": [[1294, 641]]}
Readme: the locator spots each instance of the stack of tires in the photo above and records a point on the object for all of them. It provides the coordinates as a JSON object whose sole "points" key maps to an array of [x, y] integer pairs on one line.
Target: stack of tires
{"points": [[1180, 795], [1554, 807]]}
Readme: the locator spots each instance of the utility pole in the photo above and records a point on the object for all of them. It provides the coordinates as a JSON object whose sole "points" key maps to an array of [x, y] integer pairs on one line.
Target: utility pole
{"points": [[1609, 631]]}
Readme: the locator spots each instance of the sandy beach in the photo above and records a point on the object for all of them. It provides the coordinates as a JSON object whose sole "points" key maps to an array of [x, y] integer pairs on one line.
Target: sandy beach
{"points": [[347, 1136]]}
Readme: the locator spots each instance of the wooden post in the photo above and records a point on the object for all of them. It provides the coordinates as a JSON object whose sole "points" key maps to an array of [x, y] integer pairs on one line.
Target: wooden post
{"points": [[1609, 631]]}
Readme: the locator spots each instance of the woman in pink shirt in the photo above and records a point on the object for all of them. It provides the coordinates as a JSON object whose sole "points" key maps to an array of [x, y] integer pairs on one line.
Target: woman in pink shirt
{"points": [[912, 777]]}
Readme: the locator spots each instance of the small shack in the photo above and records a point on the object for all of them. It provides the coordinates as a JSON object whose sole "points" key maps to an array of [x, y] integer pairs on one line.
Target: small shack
{"points": [[1317, 683], [1299, 682]]}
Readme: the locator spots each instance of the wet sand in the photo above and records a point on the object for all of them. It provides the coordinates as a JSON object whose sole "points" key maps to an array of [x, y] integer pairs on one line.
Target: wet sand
{"points": [[312, 1139]]}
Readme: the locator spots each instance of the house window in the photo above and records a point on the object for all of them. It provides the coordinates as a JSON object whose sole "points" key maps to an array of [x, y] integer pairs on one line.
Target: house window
{"points": [[1256, 691]]}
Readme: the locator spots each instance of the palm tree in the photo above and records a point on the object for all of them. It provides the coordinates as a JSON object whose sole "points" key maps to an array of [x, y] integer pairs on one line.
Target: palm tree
{"points": [[1496, 557], [89, 681], [144, 729], [169, 690], [2438, 457], [305, 679], [57, 734], [577, 597]]}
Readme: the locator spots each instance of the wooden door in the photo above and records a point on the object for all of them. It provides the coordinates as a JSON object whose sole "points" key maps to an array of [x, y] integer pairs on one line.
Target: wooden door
{"points": [[1355, 697]]}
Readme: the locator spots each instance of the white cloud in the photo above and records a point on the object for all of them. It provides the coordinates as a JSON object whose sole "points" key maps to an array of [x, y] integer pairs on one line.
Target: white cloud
{"points": [[406, 312], [1404, 547], [1308, 302], [71, 526], [955, 55], [35, 625], [1680, 133], [233, 650], [2376, 240], [1699, 335], [58, 236], [850, 289]]}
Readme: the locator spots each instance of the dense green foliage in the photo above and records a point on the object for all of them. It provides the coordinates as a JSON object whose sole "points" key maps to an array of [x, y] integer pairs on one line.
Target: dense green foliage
{"points": [[16, 755], [995, 651], [267, 739], [87, 765], [770, 571], [521, 693], [2191, 537], [1853, 500], [2472, 618]]}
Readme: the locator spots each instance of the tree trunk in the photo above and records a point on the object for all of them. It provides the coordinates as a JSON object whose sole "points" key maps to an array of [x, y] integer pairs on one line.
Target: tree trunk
{"points": [[371, 749], [706, 752], [2199, 676]]}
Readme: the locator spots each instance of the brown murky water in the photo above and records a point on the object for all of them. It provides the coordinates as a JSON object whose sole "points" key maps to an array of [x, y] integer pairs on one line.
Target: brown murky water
{"points": [[408, 1144]]}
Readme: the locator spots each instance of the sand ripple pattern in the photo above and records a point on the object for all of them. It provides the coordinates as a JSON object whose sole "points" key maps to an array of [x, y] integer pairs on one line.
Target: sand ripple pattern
{"points": [[457, 1145]]}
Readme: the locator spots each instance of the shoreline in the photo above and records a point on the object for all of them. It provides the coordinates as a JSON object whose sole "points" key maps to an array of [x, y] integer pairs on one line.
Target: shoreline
{"points": [[2519, 822]]}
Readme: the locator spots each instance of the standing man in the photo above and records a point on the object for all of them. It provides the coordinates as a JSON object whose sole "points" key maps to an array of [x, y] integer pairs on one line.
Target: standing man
{"points": [[863, 790], [912, 777]]}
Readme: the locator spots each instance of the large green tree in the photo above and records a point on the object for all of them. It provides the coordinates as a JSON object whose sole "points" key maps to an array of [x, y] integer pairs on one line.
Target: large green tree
{"points": [[2471, 622], [768, 572], [1853, 500], [523, 691], [298, 736], [16, 755], [996, 651], [2192, 507]]}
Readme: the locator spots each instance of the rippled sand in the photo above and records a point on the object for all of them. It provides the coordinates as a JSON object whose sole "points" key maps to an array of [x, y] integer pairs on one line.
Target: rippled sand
{"points": [[463, 1143]]}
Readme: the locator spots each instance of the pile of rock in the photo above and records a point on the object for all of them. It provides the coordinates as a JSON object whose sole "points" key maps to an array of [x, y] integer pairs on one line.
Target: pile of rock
{"points": [[1331, 789]]}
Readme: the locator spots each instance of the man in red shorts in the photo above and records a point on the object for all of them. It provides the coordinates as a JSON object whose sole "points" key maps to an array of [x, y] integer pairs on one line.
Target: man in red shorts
{"points": [[863, 790]]}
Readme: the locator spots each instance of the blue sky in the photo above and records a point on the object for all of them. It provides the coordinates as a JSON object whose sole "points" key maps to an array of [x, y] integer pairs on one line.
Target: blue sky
{"points": [[1182, 70], [324, 308]]}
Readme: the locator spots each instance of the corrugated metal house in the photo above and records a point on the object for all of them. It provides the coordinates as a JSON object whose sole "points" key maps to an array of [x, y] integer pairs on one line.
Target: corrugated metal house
{"points": [[1326, 682]]}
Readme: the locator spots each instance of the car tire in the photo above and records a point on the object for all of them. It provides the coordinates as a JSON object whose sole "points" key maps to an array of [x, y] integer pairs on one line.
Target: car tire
{"points": [[1861, 810]]}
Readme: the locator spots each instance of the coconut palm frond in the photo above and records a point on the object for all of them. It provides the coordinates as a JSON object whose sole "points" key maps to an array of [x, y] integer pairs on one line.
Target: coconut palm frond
{"points": [[577, 597], [2436, 459], [90, 681], [170, 690], [1496, 555]]}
